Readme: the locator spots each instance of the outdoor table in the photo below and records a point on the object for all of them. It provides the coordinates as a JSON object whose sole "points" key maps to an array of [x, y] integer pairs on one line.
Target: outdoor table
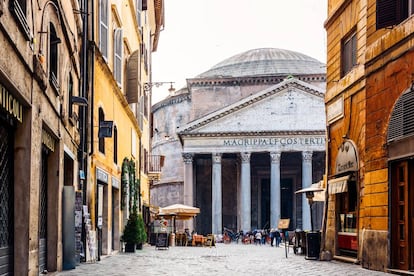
{"points": [[199, 240]]}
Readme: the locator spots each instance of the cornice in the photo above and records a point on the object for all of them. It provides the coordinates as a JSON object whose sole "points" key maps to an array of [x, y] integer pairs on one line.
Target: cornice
{"points": [[254, 133], [171, 101], [259, 80]]}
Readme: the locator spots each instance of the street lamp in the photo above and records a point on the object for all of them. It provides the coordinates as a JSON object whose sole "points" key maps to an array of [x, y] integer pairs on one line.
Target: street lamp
{"points": [[148, 85]]}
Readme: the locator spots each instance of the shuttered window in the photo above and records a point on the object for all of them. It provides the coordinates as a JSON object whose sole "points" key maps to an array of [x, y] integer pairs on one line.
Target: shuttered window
{"points": [[118, 49], [402, 117], [103, 28], [348, 53], [392, 12]]}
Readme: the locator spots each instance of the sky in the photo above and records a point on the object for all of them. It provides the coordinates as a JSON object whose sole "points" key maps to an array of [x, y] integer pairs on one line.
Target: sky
{"points": [[198, 34]]}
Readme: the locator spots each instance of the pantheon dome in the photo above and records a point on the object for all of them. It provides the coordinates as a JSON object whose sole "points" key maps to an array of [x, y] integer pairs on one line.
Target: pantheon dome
{"points": [[266, 62]]}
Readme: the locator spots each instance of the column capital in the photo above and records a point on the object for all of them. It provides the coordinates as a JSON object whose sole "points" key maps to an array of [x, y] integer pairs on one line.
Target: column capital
{"points": [[275, 157], [307, 156], [188, 157], [216, 157], [245, 157]]}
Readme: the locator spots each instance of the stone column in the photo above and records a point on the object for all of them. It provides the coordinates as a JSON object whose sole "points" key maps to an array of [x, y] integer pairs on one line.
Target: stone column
{"points": [[188, 186], [274, 189], [245, 191], [306, 182], [216, 204]]}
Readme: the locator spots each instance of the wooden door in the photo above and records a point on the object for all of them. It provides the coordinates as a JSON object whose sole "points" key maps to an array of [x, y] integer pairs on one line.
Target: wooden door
{"points": [[400, 220]]}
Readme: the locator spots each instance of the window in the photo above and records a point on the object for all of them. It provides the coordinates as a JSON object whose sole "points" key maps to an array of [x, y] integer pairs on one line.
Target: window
{"points": [[138, 4], [70, 94], [348, 53], [101, 139], [391, 13], [118, 49], [347, 208], [18, 9], [115, 145], [103, 28], [54, 40]]}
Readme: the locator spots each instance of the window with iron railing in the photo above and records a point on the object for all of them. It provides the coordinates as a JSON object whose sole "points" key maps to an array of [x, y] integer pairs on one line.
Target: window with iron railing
{"points": [[156, 162]]}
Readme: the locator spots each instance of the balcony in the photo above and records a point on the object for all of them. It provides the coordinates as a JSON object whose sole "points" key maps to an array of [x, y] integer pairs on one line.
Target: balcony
{"points": [[155, 164]]}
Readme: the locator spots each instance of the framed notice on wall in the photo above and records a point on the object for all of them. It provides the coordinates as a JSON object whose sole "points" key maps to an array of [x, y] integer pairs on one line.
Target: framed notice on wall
{"points": [[283, 223]]}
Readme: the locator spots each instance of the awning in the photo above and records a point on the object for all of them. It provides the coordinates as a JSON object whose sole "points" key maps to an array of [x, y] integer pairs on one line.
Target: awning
{"points": [[338, 185]]}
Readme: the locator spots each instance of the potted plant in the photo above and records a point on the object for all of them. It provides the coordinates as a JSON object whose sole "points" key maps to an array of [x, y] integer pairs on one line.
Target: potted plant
{"points": [[134, 232]]}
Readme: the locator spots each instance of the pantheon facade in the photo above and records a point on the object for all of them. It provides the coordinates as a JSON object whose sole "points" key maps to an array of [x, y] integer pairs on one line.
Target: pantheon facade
{"points": [[241, 138]]}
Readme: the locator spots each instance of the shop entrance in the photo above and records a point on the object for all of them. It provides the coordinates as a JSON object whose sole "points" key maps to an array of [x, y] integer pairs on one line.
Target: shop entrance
{"points": [[402, 215], [6, 199]]}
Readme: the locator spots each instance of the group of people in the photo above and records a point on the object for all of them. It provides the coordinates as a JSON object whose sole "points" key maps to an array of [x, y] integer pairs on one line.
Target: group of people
{"points": [[260, 237]]}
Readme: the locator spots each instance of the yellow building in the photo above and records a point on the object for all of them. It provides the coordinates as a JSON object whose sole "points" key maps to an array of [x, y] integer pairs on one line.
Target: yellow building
{"points": [[124, 35]]}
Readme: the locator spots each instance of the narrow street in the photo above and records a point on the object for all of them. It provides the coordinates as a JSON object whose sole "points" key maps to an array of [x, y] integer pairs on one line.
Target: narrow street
{"points": [[223, 259]]}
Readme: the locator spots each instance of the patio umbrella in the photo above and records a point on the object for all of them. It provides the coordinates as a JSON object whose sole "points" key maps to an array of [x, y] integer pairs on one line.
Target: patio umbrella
{"points": [[178, 211]]}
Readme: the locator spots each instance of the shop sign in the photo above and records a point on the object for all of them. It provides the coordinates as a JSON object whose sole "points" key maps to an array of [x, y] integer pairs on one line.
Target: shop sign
{"points": [[115, 183], [101, 175], [10, 104], [347, 158], [48, 140], [335, 110]]}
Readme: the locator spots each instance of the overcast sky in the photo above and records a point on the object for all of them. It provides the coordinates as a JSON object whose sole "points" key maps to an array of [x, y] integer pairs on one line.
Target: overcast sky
{"points": [[198, 34]]}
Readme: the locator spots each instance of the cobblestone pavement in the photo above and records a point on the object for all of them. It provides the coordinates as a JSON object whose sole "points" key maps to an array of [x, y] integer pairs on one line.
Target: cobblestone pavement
{"points": [[223, 259]]}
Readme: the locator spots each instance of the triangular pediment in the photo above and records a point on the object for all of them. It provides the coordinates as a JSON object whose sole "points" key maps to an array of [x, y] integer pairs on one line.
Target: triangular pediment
{"points": [[289, 106]]}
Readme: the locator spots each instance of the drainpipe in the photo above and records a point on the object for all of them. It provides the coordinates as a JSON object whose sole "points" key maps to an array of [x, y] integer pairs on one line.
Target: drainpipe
{"points": [[83, 113]]}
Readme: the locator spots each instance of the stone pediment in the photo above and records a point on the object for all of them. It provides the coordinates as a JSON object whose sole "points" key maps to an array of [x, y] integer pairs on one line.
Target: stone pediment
{"points": [[288, 107]]}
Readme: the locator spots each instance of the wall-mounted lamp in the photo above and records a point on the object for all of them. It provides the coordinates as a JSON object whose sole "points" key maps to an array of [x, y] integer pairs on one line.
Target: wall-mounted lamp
{"points": [[148, 85], [82, 101]]}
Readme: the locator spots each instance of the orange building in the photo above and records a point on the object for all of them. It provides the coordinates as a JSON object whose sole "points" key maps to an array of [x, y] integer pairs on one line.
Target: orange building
{"points": [[370, 119]]}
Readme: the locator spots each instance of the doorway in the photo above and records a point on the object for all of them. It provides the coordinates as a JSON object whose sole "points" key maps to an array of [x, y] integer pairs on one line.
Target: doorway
{"points": [[286, 199], [402, 214]]}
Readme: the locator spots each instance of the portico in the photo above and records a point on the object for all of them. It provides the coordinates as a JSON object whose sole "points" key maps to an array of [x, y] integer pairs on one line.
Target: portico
{"points": [[240, 150]]}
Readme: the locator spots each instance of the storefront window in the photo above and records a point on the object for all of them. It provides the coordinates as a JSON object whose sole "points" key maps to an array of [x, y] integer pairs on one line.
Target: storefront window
{"points": [[347, 209]]}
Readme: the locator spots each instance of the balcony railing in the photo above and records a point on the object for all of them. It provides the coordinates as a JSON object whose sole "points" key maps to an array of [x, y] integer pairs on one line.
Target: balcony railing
{"points": [[155, 164]]}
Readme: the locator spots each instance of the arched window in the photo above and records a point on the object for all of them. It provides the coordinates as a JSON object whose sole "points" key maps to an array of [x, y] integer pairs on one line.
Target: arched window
{"points": [[101, 139], [115, 145]]}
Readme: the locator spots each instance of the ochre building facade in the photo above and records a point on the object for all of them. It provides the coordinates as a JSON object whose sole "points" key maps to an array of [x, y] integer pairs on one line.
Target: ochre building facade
{"points": [[369, 117]]}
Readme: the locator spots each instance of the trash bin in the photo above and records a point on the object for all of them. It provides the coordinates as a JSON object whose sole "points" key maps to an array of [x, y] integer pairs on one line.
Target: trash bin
{"points": [[313, 245], [172, 239]]}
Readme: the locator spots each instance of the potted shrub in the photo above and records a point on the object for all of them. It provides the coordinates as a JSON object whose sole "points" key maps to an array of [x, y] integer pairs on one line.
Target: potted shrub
{"points": [[134, 232]]}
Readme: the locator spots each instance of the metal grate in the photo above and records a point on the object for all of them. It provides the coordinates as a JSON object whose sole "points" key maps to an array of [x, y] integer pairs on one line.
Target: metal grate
{"points": [[402, 117], [6, 200], [6, 192], [43, 213], [43, 199]]}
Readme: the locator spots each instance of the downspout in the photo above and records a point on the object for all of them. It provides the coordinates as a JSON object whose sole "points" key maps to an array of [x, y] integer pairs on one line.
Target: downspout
{"points": [[91, 44], [92, 75], [83, 113]]}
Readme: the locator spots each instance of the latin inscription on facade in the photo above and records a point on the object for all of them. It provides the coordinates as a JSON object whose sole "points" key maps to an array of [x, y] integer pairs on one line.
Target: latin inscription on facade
{"points": [[11, 104], [275, 141]]}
